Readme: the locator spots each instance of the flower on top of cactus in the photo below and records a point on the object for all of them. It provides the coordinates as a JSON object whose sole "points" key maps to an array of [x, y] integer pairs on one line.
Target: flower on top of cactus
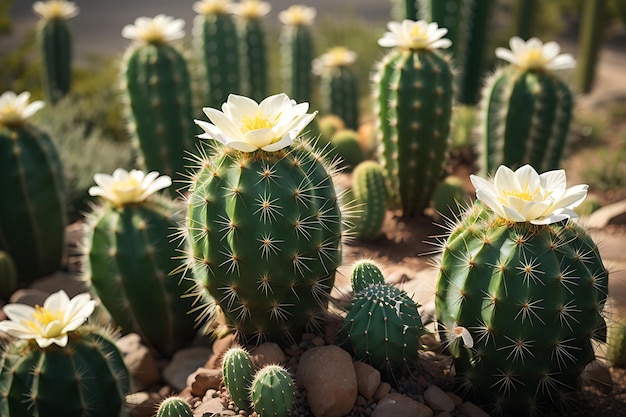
{"points": [[535, 55], [337, 56], [54, 9], [247, 126], [252, 9], [160, 29], [298, 15], [125, 187], [15, 109], [208, 7], [525, 196], [415, 35], [52, 322]]}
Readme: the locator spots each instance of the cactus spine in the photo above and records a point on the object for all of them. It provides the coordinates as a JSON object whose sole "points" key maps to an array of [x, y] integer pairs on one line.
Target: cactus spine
{"points": [[174, 407], [273, 392], [364, 273], [86, 377], [55, 44], [238, 373], [370, 194]]}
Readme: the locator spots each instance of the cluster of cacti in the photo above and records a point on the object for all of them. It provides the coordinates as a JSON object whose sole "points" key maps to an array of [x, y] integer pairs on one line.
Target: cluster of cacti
{"points": [[32, 225], [413, 90], [174, 407], [370, 195], [158, 92], [450, 197]]}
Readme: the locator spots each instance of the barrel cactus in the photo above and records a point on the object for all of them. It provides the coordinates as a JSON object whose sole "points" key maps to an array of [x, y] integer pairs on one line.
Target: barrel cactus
{"points": [[525, 286], [238, 373], [526, 108], [413, 94], [174, 407], [58, 365], [263, 222], [133, 265], [273, 392], [32, 227], [55, 43], [364, 273], [370, 195], [159, 95]]}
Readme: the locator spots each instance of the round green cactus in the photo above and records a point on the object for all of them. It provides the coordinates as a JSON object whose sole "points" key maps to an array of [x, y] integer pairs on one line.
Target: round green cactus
{"points": [[365, 273], [450, 197], [370, 195], [174, 407], [345, 144], [238, 373], [273, 392]]}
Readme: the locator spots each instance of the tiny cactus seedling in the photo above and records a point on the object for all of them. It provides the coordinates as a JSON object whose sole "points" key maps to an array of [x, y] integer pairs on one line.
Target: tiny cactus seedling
{"points": [[365, 273], [370, 198], [238, 373], [174, 407], [273, 392]]}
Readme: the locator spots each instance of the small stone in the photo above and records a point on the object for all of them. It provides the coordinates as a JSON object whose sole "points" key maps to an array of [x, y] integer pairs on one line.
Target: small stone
{"points": [[469, 409], [368, 379], [212, 406], [318, 341], [455, 398], [383, 389], [204, 379], [395, 404], [437, 399], [183, 363], [307, 337], [444, 414], [267, 354], [218, 348], [139, 360], [598, 375]]}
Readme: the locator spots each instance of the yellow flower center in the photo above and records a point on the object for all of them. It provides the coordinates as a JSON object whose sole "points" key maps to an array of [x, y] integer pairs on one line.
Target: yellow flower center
{"points": [[298, 17], [153, 33], [259, 121], [213, 7], [339, 56], [534, 59], [43, 317], [525, 194], [125, 184], [55, 9], [416, 33], [251, 9]]}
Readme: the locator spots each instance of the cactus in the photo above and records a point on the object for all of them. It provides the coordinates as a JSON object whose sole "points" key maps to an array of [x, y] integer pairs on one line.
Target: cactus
{"points": [[591, 37], [8, 276], [238, 373], [530, 293], [55, 45], [413, 94], [159, 97], [132, 265], [526, 109], [526, 11], [216, 38], [370, 194], [86, 377], [405, 9], [616, 345], [452, 15], [345, 144], [327, 125], [450, 197], [273, 392], [32, 226], [365, 273], [174, 407]]}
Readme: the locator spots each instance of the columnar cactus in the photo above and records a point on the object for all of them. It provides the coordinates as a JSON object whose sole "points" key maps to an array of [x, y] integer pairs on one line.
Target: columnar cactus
{"points": [[449, 14], [297, 51], [159, 95], [216, 38], [132, 263], [8, 276], [525, 286], [339, 85], [346, 146], [59, 366], [254, 60], [174, 407], [238, 373], [32, 225], [55, 43], [370, 195], [405, 9], [273, 392], [263, 221], [526, 108], [413, 93], [365, 273]]}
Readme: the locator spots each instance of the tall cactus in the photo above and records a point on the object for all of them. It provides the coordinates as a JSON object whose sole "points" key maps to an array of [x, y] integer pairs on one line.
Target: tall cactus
{"points": [[55, 43], [526, 16], [413, 89], [32, 226], [159, 95], [370, 195], [526, 108], [297, 51], [405, 9], [591, 33], [452, 15], [8, 276], [525, 286]]}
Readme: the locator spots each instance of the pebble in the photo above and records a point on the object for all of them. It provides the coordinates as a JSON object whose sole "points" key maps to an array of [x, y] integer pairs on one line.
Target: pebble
{"points": [[455, 398], [139, 360], [395, 404], [437, 399], [469, 409], [211, 406], [203, 379], [383, 389], [368, 379], [267, 354]]}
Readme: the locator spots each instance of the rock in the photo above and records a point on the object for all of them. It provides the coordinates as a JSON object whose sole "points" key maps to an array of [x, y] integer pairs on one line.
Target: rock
{"points": [[327, 373], [455, 398], [612, 214], [469, 409], [60, 279], [395, 404], [598, 375], [29, 297], [383, 389], [267, 354], [204, 379], [437, 399], [368, 379], [218, 348], [213, 406], [139, 360], [397, 277], [183, 363]]}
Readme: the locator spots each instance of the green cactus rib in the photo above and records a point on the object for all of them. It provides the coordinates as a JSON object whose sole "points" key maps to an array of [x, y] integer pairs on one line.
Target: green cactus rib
{"points": [[87, 377], [265, 232], [340, 95], [273, 392], [405, 9], [174, 407], [413, 90], [218, 42], [159, 92], [254, 62], [370, 194], [526, 120], [452, 15], [364, 273], [297, 51], [616, 345], [238, 373], [55, 43], [531, 297], [129, 257], [32, 227]]}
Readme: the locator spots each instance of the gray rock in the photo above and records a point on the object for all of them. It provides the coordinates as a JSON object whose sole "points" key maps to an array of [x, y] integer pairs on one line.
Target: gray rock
{"points": [[437, 399], [267, 354]]}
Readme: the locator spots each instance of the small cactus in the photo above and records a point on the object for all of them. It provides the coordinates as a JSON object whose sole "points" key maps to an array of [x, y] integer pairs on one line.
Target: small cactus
{"points": [[238, 373], [365, 273], [370, 195], [174, 407], [273, 392], [345, 144]]}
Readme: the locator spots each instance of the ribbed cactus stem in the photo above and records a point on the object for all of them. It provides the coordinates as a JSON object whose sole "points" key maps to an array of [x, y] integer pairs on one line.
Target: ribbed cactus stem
{"points": [[616, 344], [365, 273], [174, 407], [370, 194], [297, 52], [405, 9], [55, 42], [238, 373], [273, 392], [452, 15], [340, 95], [254, 68], [591, 35]]}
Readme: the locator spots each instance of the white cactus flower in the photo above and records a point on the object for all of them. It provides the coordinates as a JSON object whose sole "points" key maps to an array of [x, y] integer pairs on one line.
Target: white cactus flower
{"points": [[54, 9], [160, 29], [52, 322], [415, 35], [252, 9], [247, 126], [534, 55], [335, 57], [125, 187], [208, 7], [465, 335], [298, 15], [15, 109], [526, 196]]}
